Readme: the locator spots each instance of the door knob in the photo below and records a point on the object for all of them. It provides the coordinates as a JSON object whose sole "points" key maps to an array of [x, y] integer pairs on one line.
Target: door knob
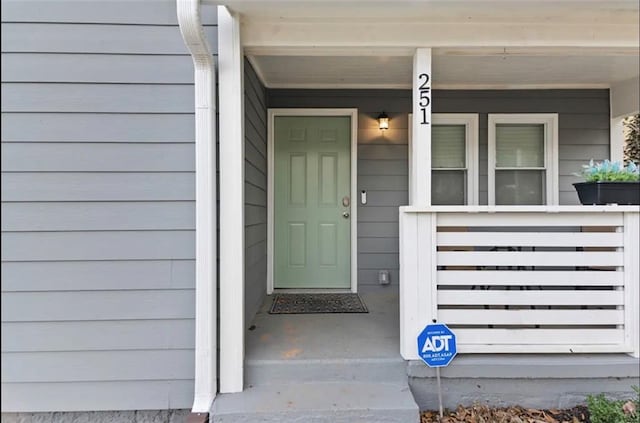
{"points": [[345, 215]]}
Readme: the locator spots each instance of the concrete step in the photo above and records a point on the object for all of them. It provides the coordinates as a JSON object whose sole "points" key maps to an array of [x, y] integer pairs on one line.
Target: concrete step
{"points": [[318, 402], [386, 370]]}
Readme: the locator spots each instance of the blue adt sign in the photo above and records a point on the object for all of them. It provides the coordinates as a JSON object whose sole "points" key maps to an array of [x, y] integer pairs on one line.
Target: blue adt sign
{"points": [[437, 345]]}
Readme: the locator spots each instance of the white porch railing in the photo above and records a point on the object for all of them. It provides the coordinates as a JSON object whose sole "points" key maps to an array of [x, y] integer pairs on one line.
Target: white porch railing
{"points": [[530, 279]]}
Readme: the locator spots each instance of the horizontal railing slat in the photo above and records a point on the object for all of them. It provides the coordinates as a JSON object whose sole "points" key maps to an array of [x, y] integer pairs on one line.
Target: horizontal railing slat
{"points": [[525, 219], [528, 297], [530, 258], [531, 317], [541, 348], [539, 336], [531, 239], [530, 277]]}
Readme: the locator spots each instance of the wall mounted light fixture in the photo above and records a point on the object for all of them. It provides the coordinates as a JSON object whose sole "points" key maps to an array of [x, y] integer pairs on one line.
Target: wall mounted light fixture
{"points": [[383, 121]]}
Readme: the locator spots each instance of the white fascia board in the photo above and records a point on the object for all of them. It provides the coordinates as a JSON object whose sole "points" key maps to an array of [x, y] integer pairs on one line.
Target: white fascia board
{"points": [[367, 33], [205, 148], [443, 51]]}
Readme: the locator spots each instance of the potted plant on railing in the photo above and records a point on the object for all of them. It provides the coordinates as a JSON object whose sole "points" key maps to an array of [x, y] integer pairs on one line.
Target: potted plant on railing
{"points": [[609, 183]]}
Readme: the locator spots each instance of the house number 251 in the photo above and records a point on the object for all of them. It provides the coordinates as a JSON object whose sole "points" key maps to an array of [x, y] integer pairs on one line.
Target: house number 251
{"points": [[425, 96]]}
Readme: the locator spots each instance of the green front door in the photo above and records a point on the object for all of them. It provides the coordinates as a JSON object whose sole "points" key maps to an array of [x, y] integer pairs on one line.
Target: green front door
{"points": [[312, 203]]}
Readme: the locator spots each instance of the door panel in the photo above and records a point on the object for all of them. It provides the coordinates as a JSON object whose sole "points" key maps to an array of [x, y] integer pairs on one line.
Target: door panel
{"points": [[312, 226]]}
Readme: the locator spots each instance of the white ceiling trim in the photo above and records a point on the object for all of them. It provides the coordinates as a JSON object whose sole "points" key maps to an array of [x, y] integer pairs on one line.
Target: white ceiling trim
{"points": [[445, 51], [407, 34], [438, 11], [443, 86]]}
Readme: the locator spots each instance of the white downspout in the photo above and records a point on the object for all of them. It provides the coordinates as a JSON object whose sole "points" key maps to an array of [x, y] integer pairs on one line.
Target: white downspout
{"points": [[205, 150]]}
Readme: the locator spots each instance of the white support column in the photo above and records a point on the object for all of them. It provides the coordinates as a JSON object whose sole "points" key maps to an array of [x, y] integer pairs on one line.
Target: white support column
{"points": [[421, 146], [205, 388], [616, 145], [623, 101], [231, 201], [631, 277]]}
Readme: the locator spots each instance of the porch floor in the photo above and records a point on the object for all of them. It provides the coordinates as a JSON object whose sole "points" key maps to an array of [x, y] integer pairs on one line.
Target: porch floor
{"points": [[334, 368], [373, 335]]}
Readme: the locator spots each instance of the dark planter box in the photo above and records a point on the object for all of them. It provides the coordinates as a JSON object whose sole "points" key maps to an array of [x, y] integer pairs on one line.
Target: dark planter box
{"points": [[602, 193]]}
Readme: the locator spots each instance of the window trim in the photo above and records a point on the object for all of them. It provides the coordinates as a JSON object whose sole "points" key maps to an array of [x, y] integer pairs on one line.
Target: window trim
{"points": [[471, 121], [550, 122]]}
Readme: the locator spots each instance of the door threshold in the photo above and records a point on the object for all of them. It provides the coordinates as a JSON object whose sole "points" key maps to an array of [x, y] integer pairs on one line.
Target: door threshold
{"points": [[313, 291]]}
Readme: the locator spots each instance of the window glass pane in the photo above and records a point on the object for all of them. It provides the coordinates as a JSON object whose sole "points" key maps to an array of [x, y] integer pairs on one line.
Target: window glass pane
{"points": [[448, 146], [520, 187], [448, 187], [519, 145]]}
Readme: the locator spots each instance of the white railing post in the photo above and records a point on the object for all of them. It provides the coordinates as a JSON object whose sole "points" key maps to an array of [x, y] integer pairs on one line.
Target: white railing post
{"points": [[409, 301], [418, 305], [632, 281]]}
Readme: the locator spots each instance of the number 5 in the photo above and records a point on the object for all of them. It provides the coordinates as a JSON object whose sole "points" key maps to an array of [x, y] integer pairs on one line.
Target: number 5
{"points": [[424, 95]]}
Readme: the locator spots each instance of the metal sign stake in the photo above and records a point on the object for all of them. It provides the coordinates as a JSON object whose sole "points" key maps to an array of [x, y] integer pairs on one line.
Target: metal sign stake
{"points": [[439, 392]]}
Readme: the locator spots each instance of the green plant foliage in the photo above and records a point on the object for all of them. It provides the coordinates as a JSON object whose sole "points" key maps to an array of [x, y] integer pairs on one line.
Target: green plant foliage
{"points": [[604, 410], [607, 171]]}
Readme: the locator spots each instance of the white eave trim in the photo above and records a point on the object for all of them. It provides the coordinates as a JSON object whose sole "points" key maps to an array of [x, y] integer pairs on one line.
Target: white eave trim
{"points": [[205, 150]]}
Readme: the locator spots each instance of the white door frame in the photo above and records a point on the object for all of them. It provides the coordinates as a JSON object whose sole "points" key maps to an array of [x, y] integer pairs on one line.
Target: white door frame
{"points": [[353, 114]]}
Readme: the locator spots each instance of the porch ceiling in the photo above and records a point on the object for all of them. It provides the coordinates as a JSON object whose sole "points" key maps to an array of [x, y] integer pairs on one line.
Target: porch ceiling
{"points": [[476, 43], [500, 68]]}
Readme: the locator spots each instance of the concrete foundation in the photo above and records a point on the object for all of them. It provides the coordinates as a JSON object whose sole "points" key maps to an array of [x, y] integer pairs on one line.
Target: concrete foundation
{"points": [[139, 416], [537, 381]]}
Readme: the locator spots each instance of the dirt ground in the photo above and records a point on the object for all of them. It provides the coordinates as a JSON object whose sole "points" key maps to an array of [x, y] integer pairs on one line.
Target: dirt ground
{"points": [[485, 414]]}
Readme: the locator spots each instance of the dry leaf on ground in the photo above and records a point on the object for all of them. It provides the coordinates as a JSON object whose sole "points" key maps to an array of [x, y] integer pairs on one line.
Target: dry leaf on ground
{"points": [[478, 413]]}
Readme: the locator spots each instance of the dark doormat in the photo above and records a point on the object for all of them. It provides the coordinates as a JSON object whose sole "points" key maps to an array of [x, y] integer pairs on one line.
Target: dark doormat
{"points": [[317, 303]]}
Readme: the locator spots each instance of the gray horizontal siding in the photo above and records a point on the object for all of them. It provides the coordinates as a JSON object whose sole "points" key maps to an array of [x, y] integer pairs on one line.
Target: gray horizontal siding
{"points": [[85, 366], [104, 335], [97, 98], [97, 275], [42, 306], [382, 157], [98, 213], [104, 186], [94, 157], [97, 127], [97, 68], [155, 12], [97, 216], [98, 396], [255, 194], [103, 245], [95, 38]]}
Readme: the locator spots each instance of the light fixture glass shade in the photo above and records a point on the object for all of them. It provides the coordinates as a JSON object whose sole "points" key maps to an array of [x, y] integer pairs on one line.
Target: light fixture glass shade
{"points": [[383, 121]]}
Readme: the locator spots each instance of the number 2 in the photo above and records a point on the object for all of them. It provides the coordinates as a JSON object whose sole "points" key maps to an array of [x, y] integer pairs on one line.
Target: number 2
{"points": [[426, 81]]}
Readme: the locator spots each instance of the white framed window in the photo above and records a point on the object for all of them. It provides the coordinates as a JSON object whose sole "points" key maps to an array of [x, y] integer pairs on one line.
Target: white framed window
{"points": [[523, 159], [454, 158]]}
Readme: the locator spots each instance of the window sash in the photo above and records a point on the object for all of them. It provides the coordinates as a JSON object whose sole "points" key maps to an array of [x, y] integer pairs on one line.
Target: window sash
{"points": [[520, 145], [442, 193], [448, 146], [542, 158]]}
